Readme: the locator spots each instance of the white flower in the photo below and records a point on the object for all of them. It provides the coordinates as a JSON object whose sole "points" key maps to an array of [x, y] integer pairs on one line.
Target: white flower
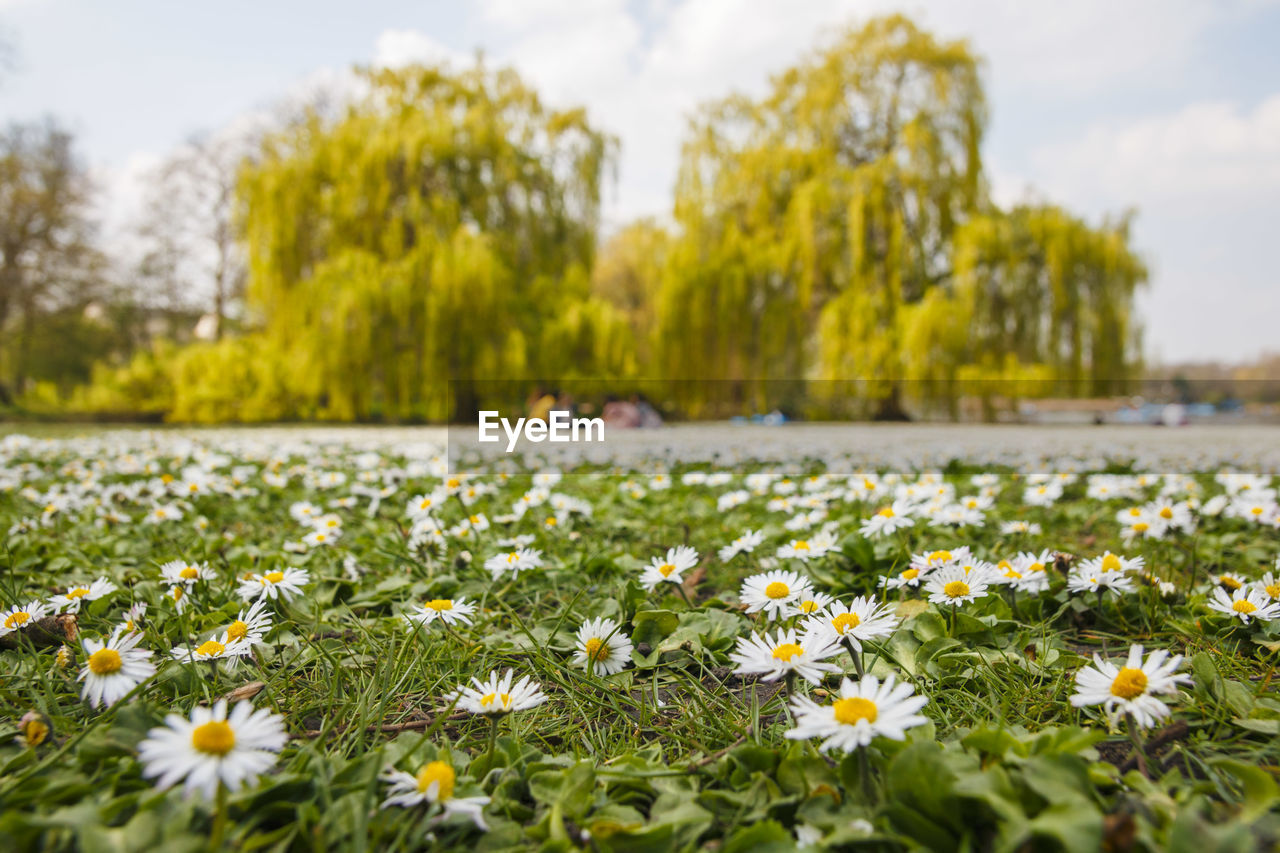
{"points": [[20, 615], [944, 557], [322, 536], [497, 695], [113, 668], [160, 513], [954, 585], [450, 611], [863, 711], [816, 546], [602, 647], [1131, 689], [888, 519], [274, 584], [250, 626], [71, 600], [774, 592], [181, 572], [1245, 603], [433, 784], [1013, 528], [213, 748], [1109, 563], [744, 544], [776, 656], [863, 619], [1270, 584], [514, 562], [1081, 580], [214, 648], [670, 568], [809, 602]]}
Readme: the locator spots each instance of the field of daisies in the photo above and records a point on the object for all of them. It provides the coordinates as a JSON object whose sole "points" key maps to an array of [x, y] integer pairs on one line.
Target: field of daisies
{"points": [[348, 641]]}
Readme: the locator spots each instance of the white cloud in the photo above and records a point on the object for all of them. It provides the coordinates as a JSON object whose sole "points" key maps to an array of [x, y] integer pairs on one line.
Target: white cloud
{"points": [[1212, 152], [405, 47]]}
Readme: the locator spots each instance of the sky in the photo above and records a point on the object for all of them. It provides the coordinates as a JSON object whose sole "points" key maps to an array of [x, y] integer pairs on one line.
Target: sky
{"points": [[1170, 108]]}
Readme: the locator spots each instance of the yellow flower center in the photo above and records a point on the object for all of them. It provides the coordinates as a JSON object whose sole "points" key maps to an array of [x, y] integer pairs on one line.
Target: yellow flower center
{"points": [[1141, 527], [105, 662], [1003, 564], [1036, 567], [189, 572], [597, 649], [488, 699], [215, 737], [1273, 590], [34, 732], [78, 592], [13, 620], [887, 512], [956, 589], [1257, 510], [845, 621], [551, 521], [787, 651], [237, 631], [850, 711], [666, 569], [273, 577], [801, 545], [439, 773], [210, 648], [777, 589], [1111, 563], [1229, 582], [453, 483], [1134, 512], [911, 574], [176, 592], [808, 606], [439, 604], [1166, 512], [1244, 606], [475, 519], [512, 557], [1129, 683]]}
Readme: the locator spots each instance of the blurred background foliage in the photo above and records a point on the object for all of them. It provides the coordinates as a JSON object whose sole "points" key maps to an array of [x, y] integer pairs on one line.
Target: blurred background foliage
{"points": [[349, 261]]}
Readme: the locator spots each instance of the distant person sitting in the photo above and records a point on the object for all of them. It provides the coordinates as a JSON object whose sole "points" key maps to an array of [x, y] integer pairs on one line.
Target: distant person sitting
{"points": [[649, 417], [619, 414], [541, 406]]}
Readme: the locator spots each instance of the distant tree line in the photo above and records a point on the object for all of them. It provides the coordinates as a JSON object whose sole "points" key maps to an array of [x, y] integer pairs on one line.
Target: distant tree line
{"points": [[383, 258]]}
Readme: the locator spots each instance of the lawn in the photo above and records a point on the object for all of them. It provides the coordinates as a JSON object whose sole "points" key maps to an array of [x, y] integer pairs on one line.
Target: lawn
{"points": [[690, 629]]}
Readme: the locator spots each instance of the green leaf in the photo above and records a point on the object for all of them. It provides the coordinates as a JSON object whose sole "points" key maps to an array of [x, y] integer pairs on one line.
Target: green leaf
{"points": [[652, 626]]}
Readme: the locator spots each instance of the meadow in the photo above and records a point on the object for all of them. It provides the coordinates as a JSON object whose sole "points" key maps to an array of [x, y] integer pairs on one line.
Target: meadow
{"points": [[737, 640]]}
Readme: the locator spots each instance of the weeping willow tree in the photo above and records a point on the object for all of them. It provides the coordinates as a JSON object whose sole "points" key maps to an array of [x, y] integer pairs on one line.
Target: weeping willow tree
{"points": [[838, 228], [1044, 288], [440, 230], [812, 218]]}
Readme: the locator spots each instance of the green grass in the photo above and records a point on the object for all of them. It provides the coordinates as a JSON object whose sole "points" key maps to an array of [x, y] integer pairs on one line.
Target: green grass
{"points": [[676, 752]]}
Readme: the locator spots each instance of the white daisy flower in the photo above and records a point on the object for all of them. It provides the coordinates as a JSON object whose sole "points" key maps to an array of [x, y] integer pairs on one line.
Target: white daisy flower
{"points": [[113, 668], [1019, 575], [250, 626], [774, 592], [1013, 528], [943, 557], [161, 513], [213, 748], [809, 603], [450, 611], [321, 537], [818, 545], [862, 711], [956, 584], [888, 519], [744, 544], [910, 576], [862, 619], [602, 647], [275, 584], [1270, 584], [669, 568], [1108, 563], [181, 572], [178, 595], [1131, 689], [776, 656], [1246, 603], [1231, 581], [497, 695], [433, 784], [1081, 580], [71, 600], [18, 616], [514, 562], [214, 648]]}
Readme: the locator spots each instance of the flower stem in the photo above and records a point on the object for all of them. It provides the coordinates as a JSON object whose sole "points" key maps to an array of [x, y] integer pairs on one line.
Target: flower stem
{"points": [[856, 655], [219, 819], [493, 740], [864, 772], [1131, 727]]}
